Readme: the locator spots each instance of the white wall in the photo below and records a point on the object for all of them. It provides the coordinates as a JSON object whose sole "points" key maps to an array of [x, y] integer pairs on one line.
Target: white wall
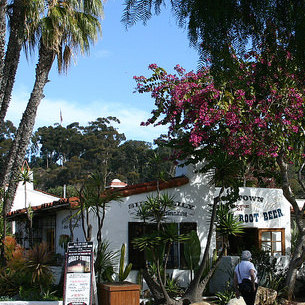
{"points": [[62, 227], [33, 197], [192, 202], [300, 203], [264, 208]]}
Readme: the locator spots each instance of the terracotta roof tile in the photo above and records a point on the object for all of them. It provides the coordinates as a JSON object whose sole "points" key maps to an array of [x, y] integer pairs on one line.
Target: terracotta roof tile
{"points": [[130, 190], [63, 202], [151, 186]]}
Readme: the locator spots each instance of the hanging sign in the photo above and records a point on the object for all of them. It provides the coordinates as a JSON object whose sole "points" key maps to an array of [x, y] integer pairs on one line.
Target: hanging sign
{"points": [[78, 285]]}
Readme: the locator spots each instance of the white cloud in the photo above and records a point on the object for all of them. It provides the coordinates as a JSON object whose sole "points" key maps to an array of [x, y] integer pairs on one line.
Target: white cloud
{"points": [[102, 53], [130, 125], [49, 114]]}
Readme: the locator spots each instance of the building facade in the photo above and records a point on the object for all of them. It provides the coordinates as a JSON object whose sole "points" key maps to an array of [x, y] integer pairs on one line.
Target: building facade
{"points": [[265, 214]]}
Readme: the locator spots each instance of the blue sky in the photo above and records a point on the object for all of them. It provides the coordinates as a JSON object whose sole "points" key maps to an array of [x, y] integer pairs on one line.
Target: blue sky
{"points": [[102, 84]]}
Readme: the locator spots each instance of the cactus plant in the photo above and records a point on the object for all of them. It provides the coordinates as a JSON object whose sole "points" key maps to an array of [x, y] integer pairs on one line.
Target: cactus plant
{"points": [[123, 272]]}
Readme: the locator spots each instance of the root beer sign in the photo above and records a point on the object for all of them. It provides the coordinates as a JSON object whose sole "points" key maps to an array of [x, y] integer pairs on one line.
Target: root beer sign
{"points": [[78, 285]]}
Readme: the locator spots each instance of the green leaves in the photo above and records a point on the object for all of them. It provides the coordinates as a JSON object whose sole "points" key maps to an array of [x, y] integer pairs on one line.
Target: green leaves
{"points": [[149, 241], [25, 174], [227, 223], [155, 207], [105, 262], [192, 251], [38, 265]]}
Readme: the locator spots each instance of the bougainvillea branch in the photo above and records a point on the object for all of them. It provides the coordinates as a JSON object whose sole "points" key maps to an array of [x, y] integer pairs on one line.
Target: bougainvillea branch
{"points": [[257, 113]]}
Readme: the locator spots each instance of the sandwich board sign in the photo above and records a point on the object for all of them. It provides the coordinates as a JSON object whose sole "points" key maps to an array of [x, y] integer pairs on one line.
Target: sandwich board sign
{"points": [[79, 274]]}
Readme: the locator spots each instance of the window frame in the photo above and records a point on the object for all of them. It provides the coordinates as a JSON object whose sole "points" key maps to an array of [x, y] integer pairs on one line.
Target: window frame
{"points": [[260, 241], [282, 241]]}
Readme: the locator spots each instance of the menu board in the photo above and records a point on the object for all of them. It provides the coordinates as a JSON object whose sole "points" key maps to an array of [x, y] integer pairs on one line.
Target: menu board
{"points": [[78, 274]]}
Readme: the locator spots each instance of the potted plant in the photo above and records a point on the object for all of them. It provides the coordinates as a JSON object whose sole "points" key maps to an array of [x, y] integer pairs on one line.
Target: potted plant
{"points": [[119, 291]]}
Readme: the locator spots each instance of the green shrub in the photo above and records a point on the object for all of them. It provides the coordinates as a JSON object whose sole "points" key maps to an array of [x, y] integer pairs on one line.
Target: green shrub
{"points": [[26, 273], [6, 298], [270, 274], [38, 267], [225, 296], [11, 275]]}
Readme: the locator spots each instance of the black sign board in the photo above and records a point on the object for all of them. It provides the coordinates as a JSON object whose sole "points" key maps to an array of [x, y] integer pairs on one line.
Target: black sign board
{"points": [[78, 285]]}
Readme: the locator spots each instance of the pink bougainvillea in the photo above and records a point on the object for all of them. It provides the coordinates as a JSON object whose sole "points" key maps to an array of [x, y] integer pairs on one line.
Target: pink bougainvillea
{"points": [[259, 112]]}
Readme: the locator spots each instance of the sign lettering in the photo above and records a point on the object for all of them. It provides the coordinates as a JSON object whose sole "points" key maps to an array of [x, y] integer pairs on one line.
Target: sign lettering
{"points": [[254, 217], [178, 204]]}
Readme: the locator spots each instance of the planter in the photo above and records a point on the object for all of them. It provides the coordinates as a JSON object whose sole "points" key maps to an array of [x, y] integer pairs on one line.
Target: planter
{"points": [[118, 294]]}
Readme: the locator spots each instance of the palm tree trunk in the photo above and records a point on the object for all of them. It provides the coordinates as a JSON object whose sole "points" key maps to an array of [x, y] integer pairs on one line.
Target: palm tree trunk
{"points": [[298, 257], [25, 129], [12, 56], [154, 287], [100, 221], [71, 224], [2, 35]]}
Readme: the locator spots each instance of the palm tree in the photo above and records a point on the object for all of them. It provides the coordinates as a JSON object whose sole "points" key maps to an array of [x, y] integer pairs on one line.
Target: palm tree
{"points": [[23, 15], [2, 35], [67, 26]]}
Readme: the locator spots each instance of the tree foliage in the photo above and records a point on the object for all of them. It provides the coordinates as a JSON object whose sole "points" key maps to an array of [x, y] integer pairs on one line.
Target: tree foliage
{"points": [[58, 29], [256, 117], [66, 155], [258, 113], [215, 26], [7, 132]]}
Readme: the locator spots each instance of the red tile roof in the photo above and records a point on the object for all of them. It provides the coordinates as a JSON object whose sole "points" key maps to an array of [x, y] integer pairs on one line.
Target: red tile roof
{"points": [[61, 203], [151, 186], [124, 192]]}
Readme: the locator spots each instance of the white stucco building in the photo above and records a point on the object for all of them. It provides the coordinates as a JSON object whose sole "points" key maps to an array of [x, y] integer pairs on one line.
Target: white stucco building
{"points": [[26, 196], [265, 214]]}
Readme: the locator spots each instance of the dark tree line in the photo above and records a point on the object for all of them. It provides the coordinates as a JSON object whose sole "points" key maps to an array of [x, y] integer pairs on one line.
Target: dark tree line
{"points": [[61, 155]]}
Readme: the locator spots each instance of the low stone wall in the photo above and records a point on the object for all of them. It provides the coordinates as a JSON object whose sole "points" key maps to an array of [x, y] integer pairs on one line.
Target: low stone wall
{"points": [[223, 274]]}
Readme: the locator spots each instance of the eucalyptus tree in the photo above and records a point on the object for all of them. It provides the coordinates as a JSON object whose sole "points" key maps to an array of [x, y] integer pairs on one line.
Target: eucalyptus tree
{"points": [[57, 143], [131, 161], [101, 140], [66, 27]]}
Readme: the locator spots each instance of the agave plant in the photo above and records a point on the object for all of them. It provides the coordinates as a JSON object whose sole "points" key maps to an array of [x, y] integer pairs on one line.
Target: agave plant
{"points": [[227, 222], [105, 262]]}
